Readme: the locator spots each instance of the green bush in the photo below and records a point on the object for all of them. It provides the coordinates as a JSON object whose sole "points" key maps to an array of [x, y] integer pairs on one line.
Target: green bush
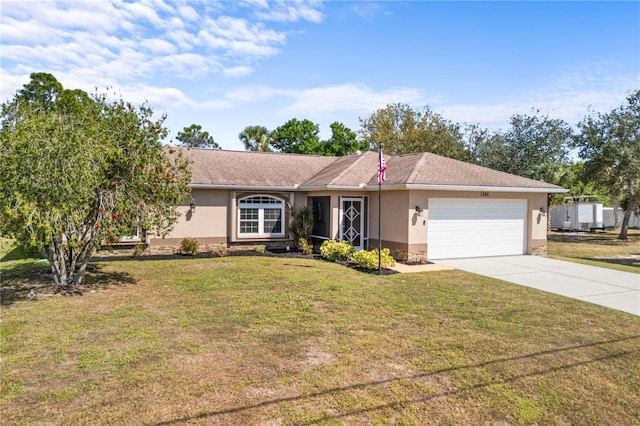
{"points": [[189, 246], [301, 224], [336, 251], [369, 259]]}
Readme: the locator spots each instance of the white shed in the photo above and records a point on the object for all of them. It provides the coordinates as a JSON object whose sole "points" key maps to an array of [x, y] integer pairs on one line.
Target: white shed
{"points": [[572, 217]]}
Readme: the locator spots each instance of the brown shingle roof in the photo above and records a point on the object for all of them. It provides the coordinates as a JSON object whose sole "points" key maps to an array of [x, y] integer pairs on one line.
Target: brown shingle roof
{"points": [[430, 169], [263, 169], [251, 169]]}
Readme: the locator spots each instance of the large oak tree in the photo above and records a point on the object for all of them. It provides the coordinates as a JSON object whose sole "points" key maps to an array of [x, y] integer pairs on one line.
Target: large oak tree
{"points": [[400, 129], [534, 146], [610, 144]]}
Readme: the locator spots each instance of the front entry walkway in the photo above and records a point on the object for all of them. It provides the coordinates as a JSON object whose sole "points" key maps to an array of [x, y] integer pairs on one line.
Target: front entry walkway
{"points": [[606, 287]]}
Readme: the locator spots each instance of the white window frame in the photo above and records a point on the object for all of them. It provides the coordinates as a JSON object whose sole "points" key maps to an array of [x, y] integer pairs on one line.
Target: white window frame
{"points": [[252, 202]]}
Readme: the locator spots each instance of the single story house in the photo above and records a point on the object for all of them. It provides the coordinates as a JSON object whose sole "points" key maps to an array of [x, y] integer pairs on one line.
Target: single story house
{"points": [[431, 207]]}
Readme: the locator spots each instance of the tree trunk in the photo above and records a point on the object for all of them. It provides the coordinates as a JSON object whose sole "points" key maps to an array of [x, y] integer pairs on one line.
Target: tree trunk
{"points": [[617, 222], [625, 225], [68, 266], [631, 207], [58, 264]]}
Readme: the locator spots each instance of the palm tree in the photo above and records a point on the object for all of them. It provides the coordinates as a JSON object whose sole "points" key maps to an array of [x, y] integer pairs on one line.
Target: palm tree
{"points": [[255, 138]]}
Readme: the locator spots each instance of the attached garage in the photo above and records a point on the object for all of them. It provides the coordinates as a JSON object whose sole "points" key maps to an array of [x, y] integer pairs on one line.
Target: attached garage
{"points": [[476, 228]]}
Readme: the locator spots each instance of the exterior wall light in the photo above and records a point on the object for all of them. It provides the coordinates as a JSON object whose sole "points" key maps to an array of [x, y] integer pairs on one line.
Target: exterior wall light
{"points": [[419, 210], [192, 207], [543, 211]]}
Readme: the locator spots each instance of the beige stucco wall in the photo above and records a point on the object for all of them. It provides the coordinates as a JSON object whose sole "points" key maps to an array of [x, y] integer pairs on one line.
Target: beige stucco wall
{"points": [[537, 238], [208, 224], [403, 231], [209, 218], [395, 225]]}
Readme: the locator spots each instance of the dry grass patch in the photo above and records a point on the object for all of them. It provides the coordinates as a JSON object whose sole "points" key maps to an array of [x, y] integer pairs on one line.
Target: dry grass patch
{"points": [[271, 341], [598, 249]]}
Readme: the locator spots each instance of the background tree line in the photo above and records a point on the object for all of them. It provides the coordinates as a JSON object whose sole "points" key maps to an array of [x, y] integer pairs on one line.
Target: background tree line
{"points": [[533, 145]]}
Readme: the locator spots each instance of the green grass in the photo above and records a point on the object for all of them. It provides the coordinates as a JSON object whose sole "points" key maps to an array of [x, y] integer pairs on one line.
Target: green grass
{"points": [[257, 340], [597, 249]]}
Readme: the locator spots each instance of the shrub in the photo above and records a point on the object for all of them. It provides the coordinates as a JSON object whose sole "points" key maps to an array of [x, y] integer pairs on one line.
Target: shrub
{"points": [[336, 250], [305, 246], [138, 249], [189, 246], [369, 259], [220, 251], [301, 224]]}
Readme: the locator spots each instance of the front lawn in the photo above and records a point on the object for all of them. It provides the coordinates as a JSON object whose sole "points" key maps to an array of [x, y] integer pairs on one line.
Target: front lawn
{"points": [[597, 249], [280, 341]]}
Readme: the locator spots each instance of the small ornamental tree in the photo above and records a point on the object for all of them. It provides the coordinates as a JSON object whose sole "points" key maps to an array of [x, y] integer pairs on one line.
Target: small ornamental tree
{"points": [[80, 171]]}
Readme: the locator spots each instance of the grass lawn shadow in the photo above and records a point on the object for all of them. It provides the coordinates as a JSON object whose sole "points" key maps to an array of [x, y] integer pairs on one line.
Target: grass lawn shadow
{"points": [[22, 281], [535, 357], [632, 260]]}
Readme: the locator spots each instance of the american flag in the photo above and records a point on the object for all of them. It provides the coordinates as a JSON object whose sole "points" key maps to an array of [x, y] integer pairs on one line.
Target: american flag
{"points": [[382, 167]]}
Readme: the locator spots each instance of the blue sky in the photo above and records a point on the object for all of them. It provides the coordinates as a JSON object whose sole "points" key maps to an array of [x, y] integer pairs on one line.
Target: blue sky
{"points": [[227, 65]]}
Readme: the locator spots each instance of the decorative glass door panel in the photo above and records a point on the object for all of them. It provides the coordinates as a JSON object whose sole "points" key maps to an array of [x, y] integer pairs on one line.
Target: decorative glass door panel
{"points": [[352, 226]]}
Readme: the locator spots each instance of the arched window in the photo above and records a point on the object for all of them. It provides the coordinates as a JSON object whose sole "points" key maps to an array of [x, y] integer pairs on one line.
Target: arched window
{"points": [[260, 216]]}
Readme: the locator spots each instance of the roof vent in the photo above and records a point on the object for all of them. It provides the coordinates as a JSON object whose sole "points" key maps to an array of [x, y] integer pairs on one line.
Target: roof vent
{"points": [[358, 152]]}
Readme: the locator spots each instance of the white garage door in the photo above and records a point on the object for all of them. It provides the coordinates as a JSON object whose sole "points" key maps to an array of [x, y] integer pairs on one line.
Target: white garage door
{"points": [[475, 228]]}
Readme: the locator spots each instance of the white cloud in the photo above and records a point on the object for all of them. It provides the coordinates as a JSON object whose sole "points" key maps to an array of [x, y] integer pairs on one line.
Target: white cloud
{"points": [[160, 98], [89, 16], [184, 39], [292, 11], [262, 4], [367, 10], [137, 10], [568, 96], [255, 94], [350, 97], [187, 12], [11, 83], [159, 46], [231, 28], [28, 32], [239, 71], [122, 42], [185, 65]]}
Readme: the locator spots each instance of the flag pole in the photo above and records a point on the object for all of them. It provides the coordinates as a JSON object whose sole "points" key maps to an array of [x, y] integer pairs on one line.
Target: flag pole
{"points": [[379, 211]]}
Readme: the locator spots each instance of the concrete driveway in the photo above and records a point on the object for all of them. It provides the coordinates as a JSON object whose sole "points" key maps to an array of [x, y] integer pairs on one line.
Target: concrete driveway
{"points": [[607, 287]]}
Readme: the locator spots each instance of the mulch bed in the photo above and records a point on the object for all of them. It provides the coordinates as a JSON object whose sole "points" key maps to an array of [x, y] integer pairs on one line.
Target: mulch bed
{"points": [[294, 254]]}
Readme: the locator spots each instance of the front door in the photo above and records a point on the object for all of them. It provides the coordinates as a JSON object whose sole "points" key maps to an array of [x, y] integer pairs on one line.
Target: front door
{"points": [[352, 221]]}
